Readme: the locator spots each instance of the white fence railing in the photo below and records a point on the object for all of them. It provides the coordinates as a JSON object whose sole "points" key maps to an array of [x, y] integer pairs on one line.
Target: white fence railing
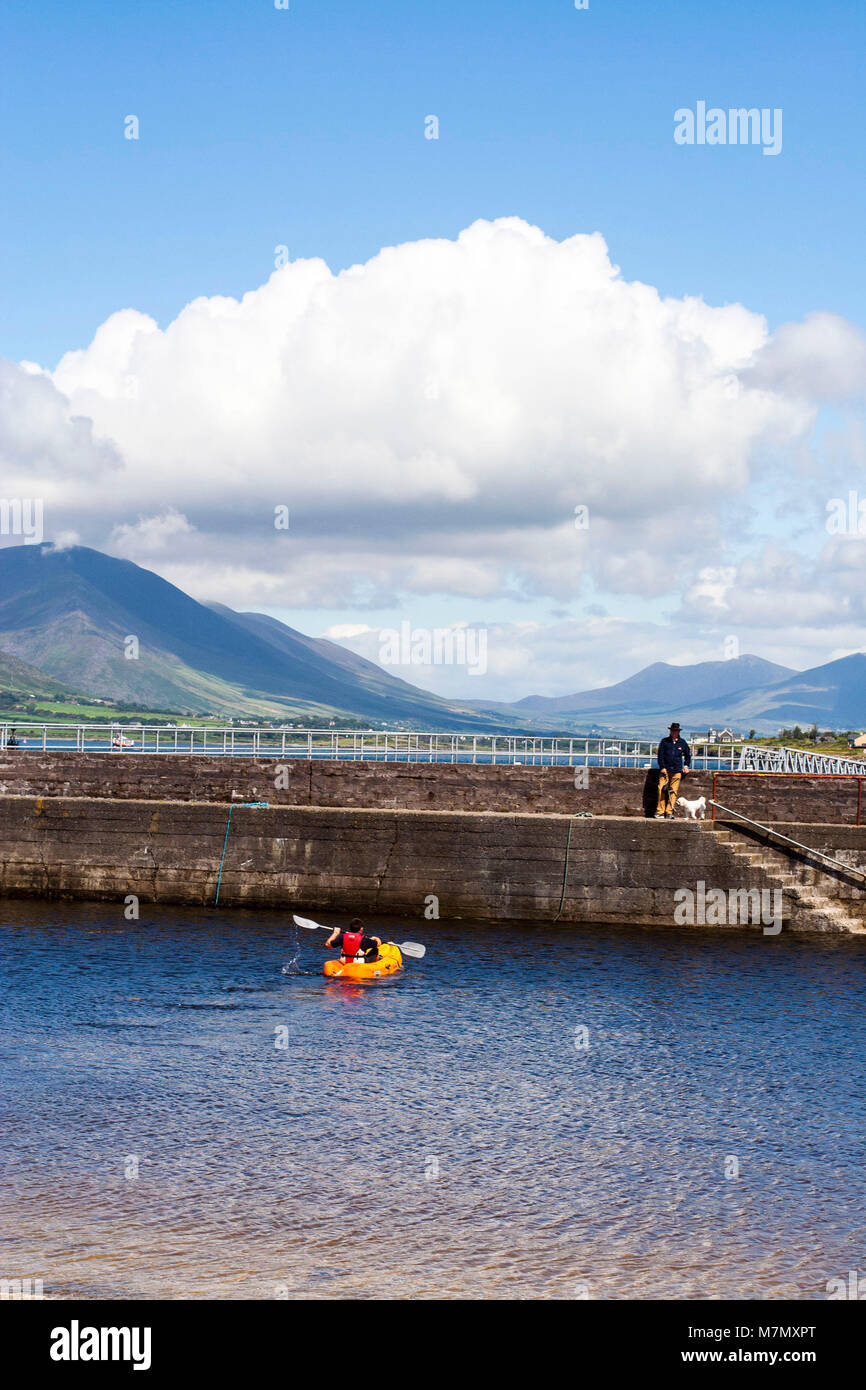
{"points": [[757, 759], [401, 745], [369, 745]]}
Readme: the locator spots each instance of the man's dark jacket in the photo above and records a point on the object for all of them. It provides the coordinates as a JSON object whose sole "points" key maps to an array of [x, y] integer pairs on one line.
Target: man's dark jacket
{"points": [[673, 752]]}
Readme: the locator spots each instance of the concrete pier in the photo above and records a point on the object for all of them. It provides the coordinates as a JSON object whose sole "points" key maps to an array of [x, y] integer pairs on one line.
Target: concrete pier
{"points": [[483, 865]]}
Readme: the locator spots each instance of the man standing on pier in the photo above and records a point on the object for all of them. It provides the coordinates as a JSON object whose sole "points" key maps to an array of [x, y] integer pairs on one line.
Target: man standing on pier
{"points": [[674, 758]]}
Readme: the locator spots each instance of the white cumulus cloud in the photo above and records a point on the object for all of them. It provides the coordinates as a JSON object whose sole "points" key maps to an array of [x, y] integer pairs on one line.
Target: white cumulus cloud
{"points": [[428, 405], [823, 358], [431, 420]]}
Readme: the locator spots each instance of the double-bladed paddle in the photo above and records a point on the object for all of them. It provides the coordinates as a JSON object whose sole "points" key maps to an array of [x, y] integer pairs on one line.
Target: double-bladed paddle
{"points": [[409, 948]]}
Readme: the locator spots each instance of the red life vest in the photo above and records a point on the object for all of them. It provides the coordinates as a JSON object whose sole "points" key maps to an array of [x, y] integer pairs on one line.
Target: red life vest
{"points": [[351, 946]]}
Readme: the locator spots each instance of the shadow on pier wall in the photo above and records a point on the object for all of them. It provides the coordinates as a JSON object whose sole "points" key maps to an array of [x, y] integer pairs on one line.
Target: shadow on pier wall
{"points": [[651, 793]]}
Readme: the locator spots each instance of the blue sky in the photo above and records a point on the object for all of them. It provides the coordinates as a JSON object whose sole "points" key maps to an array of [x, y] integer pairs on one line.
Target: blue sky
{"points": [[305, 127]]}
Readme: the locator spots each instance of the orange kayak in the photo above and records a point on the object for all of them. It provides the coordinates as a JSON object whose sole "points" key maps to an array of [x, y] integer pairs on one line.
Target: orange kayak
{"points": [[389, 962]]}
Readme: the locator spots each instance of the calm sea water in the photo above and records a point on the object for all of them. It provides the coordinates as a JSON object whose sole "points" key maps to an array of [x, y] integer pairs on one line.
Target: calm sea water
{"points": [[442, 1133]]}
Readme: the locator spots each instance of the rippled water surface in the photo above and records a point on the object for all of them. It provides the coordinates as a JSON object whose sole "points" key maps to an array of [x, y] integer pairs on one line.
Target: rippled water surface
{"points": [[442, 1133]]}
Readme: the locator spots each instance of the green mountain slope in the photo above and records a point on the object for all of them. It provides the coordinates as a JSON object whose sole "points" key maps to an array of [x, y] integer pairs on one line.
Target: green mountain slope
{"points": [[70, 613], [19, 679]]}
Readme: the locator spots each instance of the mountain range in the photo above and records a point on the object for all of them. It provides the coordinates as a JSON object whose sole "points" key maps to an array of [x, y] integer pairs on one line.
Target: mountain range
{"points": [[68, 618], [660, 685], [69, 614], [743, 693]]}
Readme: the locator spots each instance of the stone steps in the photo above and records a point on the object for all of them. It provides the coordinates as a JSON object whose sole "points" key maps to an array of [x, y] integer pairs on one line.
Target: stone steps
{"points": [[814, 908]]}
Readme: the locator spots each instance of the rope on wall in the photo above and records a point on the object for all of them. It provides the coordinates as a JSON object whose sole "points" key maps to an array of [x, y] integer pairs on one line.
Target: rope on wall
{"points": [[578, 815], [225, 844]]}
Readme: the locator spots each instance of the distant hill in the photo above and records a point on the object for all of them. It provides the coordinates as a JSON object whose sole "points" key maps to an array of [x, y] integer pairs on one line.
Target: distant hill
{"points": [[743, 694], [69, 612], [663, 687], [22, 680], [833, 696]]}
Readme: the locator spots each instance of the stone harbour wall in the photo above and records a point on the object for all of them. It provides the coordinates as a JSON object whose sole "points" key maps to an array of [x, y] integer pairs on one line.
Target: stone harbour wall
{"points": [[518, 789], [481, 865]]}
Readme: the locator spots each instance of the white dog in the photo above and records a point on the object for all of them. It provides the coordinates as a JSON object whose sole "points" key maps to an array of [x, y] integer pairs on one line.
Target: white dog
{"points": [[695, 810]]}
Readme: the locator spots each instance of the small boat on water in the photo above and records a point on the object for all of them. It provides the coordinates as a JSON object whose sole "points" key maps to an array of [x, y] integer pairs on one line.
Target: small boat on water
{"points": [[389, 962]]}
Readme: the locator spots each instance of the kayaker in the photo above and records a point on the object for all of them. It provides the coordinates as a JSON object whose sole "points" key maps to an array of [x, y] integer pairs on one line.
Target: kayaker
{"points": [[353, 942], [674, 758]]}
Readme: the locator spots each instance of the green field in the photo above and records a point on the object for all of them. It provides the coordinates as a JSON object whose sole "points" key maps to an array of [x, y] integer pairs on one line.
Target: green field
{"points": [[66, 712], [837, 746]]}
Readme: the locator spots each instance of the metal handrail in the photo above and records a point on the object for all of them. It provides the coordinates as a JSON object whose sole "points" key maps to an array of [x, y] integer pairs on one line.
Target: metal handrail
{"points": [[755, 758], [818, 854]]}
